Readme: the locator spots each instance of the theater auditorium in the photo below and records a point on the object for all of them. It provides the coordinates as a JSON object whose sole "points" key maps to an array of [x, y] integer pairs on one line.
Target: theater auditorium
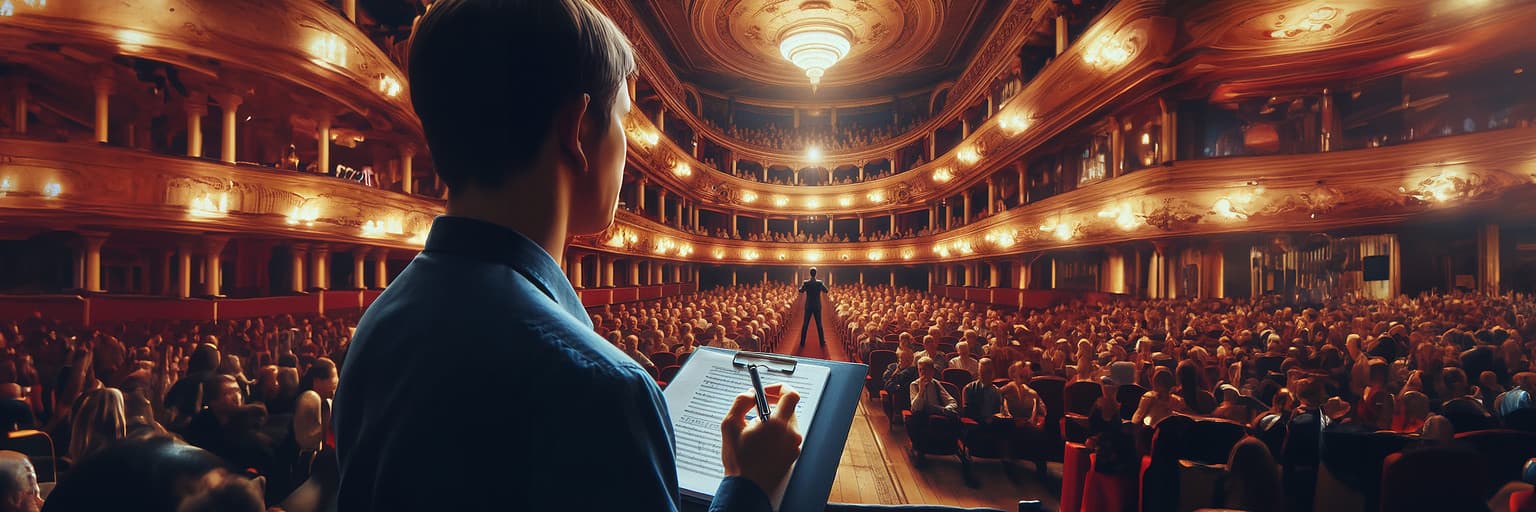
{"points": [[1090, 255]]}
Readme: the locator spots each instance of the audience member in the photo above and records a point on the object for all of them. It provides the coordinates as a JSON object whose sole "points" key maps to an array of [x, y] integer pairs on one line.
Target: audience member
{"points": [[19, 491], [963, 358]]}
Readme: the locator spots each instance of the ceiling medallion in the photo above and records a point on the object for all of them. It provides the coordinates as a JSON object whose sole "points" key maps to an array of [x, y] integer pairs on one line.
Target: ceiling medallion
{"points": [[815, 45]]}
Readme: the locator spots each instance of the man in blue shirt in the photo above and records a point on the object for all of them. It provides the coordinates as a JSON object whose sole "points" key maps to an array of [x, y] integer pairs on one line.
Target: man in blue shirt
{"points": [[476, 381]]}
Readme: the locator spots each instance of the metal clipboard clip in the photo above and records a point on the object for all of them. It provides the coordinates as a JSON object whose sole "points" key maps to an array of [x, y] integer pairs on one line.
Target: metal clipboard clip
{"points": [[765, 362]]}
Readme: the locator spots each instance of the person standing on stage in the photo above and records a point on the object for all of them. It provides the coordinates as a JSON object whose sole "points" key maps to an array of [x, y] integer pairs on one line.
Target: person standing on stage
{"points": [[813, 288]]}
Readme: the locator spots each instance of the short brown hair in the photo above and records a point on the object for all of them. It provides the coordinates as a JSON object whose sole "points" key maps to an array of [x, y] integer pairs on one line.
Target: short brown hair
{"points": [[487, 77]]}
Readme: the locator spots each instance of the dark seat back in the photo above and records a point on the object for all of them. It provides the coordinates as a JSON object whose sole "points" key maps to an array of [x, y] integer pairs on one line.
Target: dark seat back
{"points": [[1504, 451], [1078, 397], [957, 376], [1160, 481], [668, 373], [1211, 440], [1435, 479], [38, 447], [1129, 396], [879, 360], [664, 359]]}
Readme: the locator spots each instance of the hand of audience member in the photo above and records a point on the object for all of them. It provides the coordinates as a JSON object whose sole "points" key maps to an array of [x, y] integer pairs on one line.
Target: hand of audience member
{"points": [[761, 451]]}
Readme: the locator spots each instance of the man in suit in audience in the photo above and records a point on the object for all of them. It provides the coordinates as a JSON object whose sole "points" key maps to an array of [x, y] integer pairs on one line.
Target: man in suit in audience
{"points": [[523, 105], [813, 288]]}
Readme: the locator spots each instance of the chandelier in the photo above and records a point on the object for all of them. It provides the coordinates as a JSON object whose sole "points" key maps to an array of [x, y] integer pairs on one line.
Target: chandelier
{"points": [[814, 47]]}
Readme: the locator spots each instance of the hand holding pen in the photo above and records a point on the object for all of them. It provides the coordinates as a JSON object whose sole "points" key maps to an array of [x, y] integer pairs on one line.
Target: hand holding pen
{"points": [[761, 451]]}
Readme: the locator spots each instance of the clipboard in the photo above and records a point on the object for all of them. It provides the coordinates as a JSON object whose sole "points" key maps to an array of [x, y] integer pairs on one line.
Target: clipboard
{"points": [[810, 483]]}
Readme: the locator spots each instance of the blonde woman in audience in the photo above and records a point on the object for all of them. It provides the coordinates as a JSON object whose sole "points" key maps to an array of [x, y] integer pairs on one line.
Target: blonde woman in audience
{"points": [[1020, 401], [99, 420]]}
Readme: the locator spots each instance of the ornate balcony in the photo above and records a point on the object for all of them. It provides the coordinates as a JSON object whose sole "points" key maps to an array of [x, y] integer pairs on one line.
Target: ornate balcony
{"points": [[52, 185], [300, 42], [1489, 172]]}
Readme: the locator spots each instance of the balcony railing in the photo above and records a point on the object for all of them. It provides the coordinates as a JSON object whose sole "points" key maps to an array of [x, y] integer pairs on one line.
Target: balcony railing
{"points": [[122, 188]]}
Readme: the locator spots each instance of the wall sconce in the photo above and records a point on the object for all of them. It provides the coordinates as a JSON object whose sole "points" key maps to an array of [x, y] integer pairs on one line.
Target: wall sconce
{"points": [[306, 213], [389, 86], [1442, 187], [845, 201], [1109, 51], [748, 196], [328, 48], [53, 189], [750, 254], [876, 196], [718, 253], [943, 175], [1002, 238], [780, 201], [206, 206], [1122, 216], [812, 203], [131, 40], [1013, 124], [662, 245], [969, 155], [682, 170], [1061, 230], [875, 255], [6, 185], [907, 253], [1223, 208]]}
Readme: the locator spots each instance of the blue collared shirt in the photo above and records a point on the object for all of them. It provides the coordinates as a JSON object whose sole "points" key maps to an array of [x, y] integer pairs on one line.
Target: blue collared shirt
{"points": [[476, 382]]}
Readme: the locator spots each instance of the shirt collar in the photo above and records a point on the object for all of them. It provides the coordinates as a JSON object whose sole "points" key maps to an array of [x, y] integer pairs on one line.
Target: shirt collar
{"points": [[493, 243]]}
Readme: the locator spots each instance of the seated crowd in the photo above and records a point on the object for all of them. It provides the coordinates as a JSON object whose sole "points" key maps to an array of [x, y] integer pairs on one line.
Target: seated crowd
{"points": [[1005, 381], [822, 238], [845, 137], [736, 318], [242, 406], [763, 177]]}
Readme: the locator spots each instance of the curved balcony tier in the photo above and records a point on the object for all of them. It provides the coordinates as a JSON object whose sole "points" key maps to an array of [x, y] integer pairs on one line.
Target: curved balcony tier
{"points": [[300, 42], [57, 186], [1487, 173], [1148, 41], [1128, 56], [62, 186]]}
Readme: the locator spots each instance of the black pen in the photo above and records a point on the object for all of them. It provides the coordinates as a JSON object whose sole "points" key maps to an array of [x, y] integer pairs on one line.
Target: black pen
{"points": [[762, 399]]}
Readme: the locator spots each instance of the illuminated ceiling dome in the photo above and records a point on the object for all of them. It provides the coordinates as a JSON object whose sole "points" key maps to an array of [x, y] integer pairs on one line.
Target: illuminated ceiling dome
{"points": [[814, 47]]}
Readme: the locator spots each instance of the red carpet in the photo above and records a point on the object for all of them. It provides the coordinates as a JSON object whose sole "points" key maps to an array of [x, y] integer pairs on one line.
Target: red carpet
{"points": [[789, 341]]}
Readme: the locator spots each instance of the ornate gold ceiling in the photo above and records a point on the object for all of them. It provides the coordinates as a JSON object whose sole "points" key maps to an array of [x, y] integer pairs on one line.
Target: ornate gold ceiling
{"points": [[898, 45]]}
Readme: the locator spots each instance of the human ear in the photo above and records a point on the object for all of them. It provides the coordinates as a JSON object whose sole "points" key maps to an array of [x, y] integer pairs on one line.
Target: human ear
{"points": [[570, 132]]}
